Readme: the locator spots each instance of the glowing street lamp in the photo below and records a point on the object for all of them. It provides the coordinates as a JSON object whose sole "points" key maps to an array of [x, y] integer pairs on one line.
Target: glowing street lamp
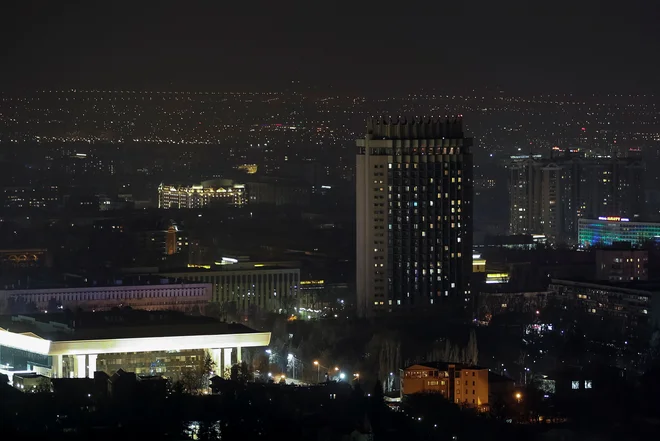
{"points": [[342, 375], [318, 371], [518, 396]]}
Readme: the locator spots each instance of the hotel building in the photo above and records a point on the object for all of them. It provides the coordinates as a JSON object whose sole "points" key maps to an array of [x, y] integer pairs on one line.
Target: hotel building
{"points": [[414, 216], [607, 230], [199, 196]]}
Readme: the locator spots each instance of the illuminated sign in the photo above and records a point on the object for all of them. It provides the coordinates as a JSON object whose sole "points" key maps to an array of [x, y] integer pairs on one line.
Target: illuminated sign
{"points": [[614, 219], [312, 282], [526, 156]]}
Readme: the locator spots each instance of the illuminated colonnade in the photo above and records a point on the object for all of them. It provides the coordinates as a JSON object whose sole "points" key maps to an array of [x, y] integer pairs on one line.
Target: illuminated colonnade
{"points": [[79, 358]]}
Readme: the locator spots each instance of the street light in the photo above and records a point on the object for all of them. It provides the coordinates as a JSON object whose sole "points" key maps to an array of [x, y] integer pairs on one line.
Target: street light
{"points": [[342, 375], [518, 396], [336, 368], [318, 371]]}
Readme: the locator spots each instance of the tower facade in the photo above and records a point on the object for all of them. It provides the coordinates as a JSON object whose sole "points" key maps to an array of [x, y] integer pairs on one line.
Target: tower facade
{"points": [[524, 195], [548, 196], [414, 217]]}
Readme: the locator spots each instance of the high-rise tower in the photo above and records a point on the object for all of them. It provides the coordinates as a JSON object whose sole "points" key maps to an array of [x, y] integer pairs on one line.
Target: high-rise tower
{"points": [[414, 217], [548, 196]]}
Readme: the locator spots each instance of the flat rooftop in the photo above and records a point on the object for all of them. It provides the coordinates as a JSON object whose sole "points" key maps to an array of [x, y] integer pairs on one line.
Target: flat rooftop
{"points": [[237, 266], [107, 325], [635, 285], [444, 366]]}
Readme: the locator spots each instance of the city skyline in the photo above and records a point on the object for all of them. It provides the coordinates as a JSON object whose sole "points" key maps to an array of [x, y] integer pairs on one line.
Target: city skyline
{"points": [[300, 220]]}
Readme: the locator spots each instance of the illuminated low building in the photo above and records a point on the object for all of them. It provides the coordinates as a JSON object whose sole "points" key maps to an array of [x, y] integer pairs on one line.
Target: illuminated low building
{"points": [[624, 311], [478, 264], [495, 278], [459, 383], [30, 382], [607, 230], [250, 169], [268, 286], [147, 343], [166, 296], [21, 258], [198, 196], [618, 265]]}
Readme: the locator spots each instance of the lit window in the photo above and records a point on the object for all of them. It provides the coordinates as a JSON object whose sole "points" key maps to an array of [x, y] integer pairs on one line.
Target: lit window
{"points": [[575, 385], [587, 384]]}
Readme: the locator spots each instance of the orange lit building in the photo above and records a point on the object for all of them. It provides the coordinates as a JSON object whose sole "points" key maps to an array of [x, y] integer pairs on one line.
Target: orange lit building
{"points": [[459, 383]]}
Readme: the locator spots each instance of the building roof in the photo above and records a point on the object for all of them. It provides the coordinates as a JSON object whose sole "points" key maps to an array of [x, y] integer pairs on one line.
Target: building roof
{"points": [[126, 323], [444, 366], [26, 375], [494, 377], [238, 266], [632, 287], [123, 331]]}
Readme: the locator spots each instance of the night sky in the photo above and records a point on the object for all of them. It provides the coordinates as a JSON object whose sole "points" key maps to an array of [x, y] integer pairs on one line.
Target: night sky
{"points": [[580, 46]]}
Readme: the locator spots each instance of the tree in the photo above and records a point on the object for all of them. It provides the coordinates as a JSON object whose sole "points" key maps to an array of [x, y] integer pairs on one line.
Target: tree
{"points": [[377, 395], [388, 348], [20, 306], [240, 372], [196, 380], [43, 386], [53, 305], [471, 354]]}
